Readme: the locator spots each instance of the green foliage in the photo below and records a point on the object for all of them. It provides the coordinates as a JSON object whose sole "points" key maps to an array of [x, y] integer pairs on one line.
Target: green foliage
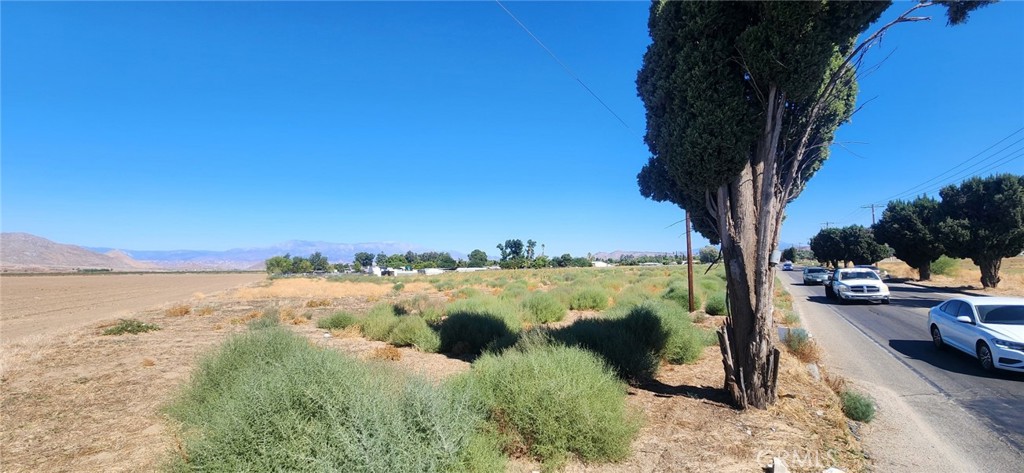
{"points": [[632, 295], [379, 322], [634, 340], [708, 254], [945, 266], [398, 286], [474, 323], [911, 230], [412, 330], [716, 304], [130, 326], [679, 293], [467, 292], [544, 308], [857, 406], [269, 319], [588, 298], [553, 402], [269, 401], [364, 259], [477, 259], [797, 340], [337, 321], [853, 243], [514, 291], [984, 221], [279, 265]]}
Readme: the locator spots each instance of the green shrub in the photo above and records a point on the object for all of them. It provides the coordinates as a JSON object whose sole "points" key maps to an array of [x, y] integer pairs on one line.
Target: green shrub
{"points": [[589, 298], [269, 401], [474, 323], [398, 286], [711, 285], [445, 285], [467, 293], [514, 291], [632, 295], [945, 266], [715, 304], [269, 318], [554, 401], [857, 406], [791, 318], [678, 292], [131, 326], [544, 308], [412, 330], [336, 321], [379, 322]]}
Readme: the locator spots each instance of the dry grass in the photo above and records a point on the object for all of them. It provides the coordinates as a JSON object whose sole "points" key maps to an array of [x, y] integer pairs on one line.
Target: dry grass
{"points": [[388, 353], [318, 303], [205, 311], [244, 319], [968, 276], [178, 310]]}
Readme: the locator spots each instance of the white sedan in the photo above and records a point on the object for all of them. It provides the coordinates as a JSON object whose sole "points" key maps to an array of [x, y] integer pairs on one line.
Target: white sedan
{"points": [[990, 329]]}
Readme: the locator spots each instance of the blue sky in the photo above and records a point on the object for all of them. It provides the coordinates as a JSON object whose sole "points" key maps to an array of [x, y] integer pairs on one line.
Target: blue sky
{"points": [[220, 125]]}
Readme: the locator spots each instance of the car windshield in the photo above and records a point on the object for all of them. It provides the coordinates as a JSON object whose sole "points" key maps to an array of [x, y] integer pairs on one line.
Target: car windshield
{"points": [[816, 270], [1002, 314], [858, 275]]}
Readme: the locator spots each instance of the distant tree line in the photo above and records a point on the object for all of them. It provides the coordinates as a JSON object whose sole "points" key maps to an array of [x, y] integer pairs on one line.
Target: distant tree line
{"points": [[289, 264], [981, 219]]}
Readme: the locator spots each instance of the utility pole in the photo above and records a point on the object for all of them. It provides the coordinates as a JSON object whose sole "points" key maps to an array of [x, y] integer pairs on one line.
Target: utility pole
{"points": [[689, 264], [827, 224], [872, 207]]}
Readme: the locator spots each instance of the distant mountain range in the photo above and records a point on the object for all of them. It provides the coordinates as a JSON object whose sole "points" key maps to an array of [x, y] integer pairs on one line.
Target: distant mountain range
{"points": [[26, 252]]}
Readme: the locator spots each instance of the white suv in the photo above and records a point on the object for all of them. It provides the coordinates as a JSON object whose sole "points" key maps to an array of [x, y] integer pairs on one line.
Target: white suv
{"points": [[856, 284]]}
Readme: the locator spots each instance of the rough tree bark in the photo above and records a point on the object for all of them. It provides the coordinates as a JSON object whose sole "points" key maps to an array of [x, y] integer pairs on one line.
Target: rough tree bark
{"points": [[989, 271], [924, 273]]}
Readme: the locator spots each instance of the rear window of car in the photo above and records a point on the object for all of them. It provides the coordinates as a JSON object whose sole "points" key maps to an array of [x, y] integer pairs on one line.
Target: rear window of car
{"points": [[858, 275], [1002, 314], [816, 270]]}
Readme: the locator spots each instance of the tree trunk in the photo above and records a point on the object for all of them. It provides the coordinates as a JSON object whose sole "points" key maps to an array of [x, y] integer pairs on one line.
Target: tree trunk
{"points": [[989, 271], [749, 215], [924, 273]]}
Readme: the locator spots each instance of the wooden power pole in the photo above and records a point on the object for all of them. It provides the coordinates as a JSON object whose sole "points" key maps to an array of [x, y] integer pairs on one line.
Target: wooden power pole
{"points": [[689, 263]]}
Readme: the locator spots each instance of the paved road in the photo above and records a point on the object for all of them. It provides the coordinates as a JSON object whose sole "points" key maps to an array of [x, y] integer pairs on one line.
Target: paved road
{"points": [[992, 402]]}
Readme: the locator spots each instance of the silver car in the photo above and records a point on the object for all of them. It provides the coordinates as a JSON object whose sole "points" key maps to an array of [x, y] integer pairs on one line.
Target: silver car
{"points": [[815, 275], [990, 329]]}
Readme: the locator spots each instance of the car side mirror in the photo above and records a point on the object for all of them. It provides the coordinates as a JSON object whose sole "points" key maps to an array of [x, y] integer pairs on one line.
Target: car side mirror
{"points": [[964, 319]]}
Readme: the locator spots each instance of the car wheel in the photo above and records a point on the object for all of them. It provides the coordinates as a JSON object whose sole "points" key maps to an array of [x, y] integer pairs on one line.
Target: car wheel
{"points": [[885, 301], [985, 357], [937, 338], [828, 292]]}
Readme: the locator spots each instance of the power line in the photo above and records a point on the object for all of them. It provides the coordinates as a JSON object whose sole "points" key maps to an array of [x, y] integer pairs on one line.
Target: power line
{"points": [[1005, 160], [565, 67], [914, 189]]}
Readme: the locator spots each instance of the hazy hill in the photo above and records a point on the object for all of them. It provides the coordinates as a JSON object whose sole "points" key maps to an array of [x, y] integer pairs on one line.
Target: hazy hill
{"points": [[25, 252]]}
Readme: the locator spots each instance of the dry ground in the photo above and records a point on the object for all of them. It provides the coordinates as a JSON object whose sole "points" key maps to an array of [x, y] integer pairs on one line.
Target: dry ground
{"points": [[46, 304], [966, 275], [81, 401]]}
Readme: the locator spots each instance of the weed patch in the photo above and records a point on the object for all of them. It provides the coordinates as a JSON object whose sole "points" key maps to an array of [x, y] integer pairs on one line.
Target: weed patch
{"points": [[857, 406], [715, 304], [130, 326], [412, 330], [179, 310], [337, 321], [589, 298], [269, 401], [543, 308]]}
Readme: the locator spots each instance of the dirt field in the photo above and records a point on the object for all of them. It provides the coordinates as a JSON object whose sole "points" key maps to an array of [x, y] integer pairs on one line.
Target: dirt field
{"points": [[44, 305], [81, 401]]}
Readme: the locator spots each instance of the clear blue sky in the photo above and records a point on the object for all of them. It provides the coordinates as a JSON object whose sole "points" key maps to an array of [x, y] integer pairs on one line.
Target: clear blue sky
{"points": [[220, 125]]}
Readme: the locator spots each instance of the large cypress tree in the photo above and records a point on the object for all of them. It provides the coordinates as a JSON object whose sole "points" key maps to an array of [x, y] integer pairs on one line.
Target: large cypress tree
{"points": [[911, 229], [743, 100]]}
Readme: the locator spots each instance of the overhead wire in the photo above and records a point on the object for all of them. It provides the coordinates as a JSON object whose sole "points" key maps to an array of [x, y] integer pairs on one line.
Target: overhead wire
{"points": [[564, 66]]}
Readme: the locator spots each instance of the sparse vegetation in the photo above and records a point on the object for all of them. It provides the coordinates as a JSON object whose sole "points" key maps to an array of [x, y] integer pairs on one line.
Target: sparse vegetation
{"points": [[412, 330], [379, 322], [799, 343], [130, 326], [857, 406], [589, 298], [313, 303], [178, 310], [945, 266], [337, 321]]}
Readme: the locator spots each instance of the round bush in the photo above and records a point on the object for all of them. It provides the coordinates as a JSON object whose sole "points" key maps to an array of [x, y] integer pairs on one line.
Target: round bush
{"points": [[412, 330], [544, 308], [857, 406], [679, 293], [337, 321], [589, 298], [556, 400], [715, 305]]}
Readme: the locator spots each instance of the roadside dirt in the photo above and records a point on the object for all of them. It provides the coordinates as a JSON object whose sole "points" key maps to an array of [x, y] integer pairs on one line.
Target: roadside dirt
{"points": [[79, 401]]}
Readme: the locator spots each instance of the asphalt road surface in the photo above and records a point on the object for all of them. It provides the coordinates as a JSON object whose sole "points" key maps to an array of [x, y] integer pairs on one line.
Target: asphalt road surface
{"points": [[981, 414]]}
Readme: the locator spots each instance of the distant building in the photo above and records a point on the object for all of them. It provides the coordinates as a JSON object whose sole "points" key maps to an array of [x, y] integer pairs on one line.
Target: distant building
{"points": [[600, 264], [431, 271]]}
